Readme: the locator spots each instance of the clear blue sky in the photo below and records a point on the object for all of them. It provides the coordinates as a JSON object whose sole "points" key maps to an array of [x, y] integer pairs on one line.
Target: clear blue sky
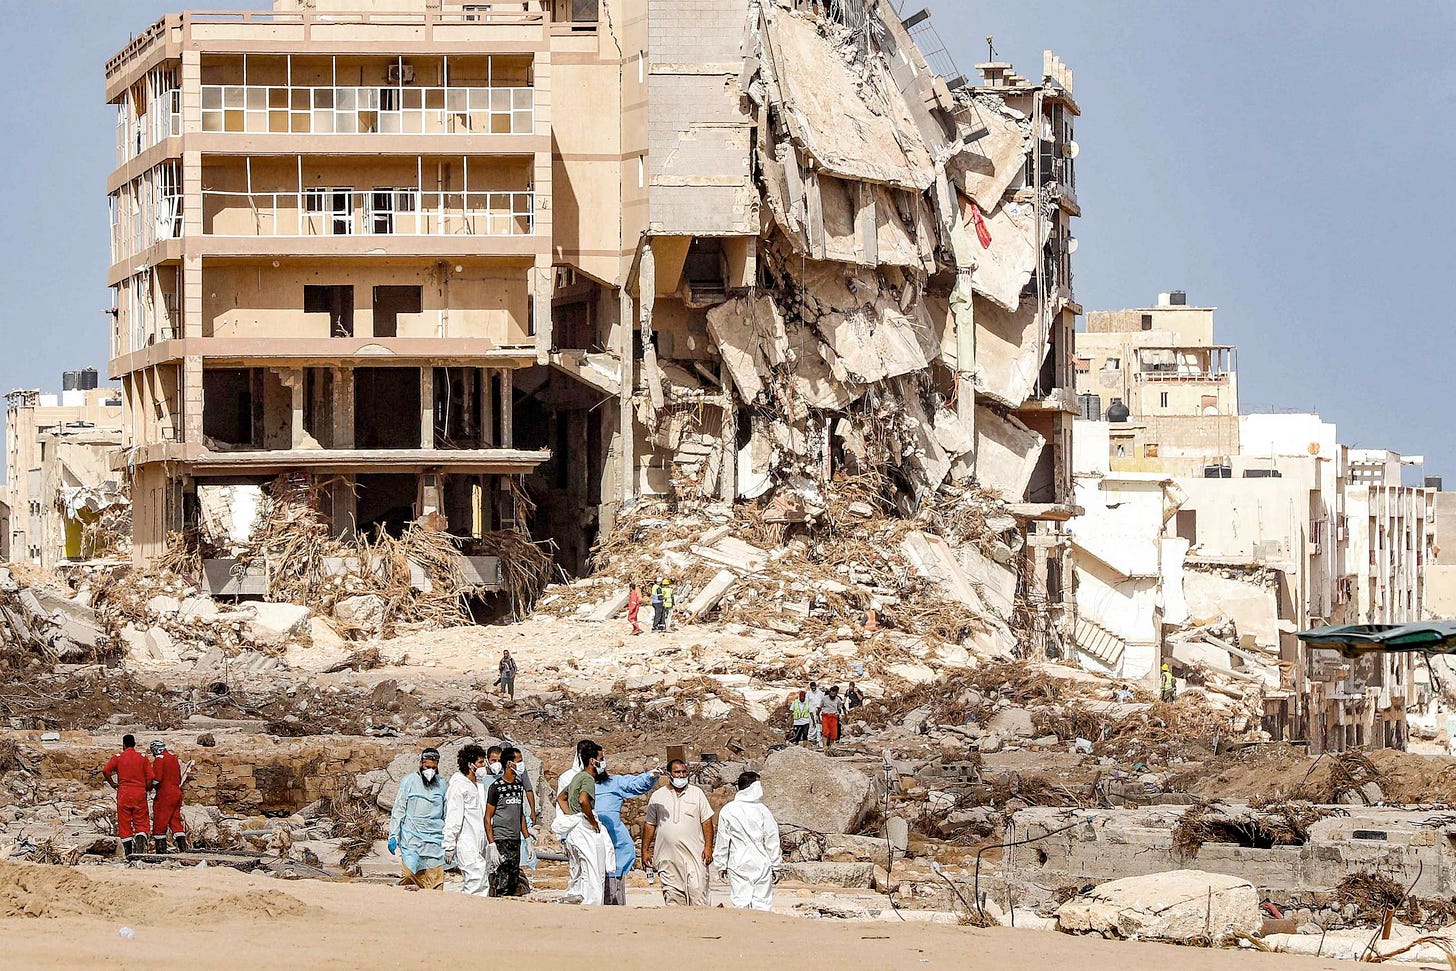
{"points": [[1285, 162]]}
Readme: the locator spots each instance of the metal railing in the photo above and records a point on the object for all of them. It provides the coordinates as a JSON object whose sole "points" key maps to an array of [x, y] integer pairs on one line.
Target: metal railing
{"points": [[380, 212], [332, 110], [1181, 375]]}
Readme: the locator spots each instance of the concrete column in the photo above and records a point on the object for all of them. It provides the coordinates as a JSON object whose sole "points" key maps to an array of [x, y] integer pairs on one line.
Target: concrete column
{"points": [[646, 301], [346, 505], [963, 314], [627, 488], [427, 406], [344, 408], [190, 399], [728, 479], [487, 408], [541, 287], [508, 410], [297, 434]]}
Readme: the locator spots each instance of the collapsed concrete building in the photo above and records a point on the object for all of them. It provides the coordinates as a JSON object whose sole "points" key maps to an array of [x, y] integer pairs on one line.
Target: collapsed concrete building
{"points": [[60, 480], [520, 267], [1211, 537]]}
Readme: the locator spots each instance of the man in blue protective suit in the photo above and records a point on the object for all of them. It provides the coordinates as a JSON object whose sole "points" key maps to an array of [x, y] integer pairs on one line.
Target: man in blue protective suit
{"points": [[612, 791], [417, 825]]}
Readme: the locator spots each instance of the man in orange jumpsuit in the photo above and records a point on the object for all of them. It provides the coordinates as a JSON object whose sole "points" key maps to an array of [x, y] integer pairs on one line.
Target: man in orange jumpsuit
{"points": [[167, 804], [130, 774]]}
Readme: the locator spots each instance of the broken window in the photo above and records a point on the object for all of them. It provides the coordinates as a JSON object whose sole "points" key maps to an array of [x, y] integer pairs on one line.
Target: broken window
{"points": [[459, 402], [584, 11], [1113, 364], [1188, 525], [227, 413], [335, 300], [1150, 450], [705, 270], [392, 210], [389, 303], [328, 210], [386, 502], [386, 408], [1147, 321]]}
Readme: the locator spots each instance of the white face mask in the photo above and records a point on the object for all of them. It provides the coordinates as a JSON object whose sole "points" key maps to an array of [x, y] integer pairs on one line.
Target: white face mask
{"points": [[679, 783], [429, 774], [495, 768], [601, 765]]}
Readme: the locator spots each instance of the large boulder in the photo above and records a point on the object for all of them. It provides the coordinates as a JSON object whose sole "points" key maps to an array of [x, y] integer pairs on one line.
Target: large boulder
{"points": [[1012, 723], [1178, 905], [276, 623], [363, 614], [804, 788]]}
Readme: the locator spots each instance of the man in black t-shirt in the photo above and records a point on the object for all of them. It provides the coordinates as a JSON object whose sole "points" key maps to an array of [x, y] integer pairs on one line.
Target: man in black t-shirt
{"points": [[505, 825]]}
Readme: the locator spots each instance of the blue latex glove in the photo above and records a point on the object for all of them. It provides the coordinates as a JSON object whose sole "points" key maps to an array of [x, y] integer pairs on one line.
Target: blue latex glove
{"points": [[393, 845]]}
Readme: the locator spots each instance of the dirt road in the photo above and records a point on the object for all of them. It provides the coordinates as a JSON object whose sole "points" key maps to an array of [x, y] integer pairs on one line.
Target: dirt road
{"points": [[219, 919]]}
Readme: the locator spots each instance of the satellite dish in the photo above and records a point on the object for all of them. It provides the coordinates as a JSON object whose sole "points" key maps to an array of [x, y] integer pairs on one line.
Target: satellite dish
{"points": [[1072, 149], [1071, 244]]}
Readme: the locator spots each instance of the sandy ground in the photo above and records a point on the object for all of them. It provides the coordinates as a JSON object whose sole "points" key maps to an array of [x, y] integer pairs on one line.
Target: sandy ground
{"points": [[220, 919]]}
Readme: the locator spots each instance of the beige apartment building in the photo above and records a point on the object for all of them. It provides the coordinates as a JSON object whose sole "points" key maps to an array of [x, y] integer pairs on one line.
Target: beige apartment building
{"points": [[59, 452], [448, 256], [1158, 373]]}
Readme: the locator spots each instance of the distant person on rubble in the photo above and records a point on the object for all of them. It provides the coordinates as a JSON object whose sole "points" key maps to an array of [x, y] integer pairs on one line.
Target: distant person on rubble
{"points": [[130, 774], [508, 674], [667, 604], [612, 791], [634, 605], [816, 700], [167, 803], [830, 709], [464, 834], [854, 697], [659, 616], [747, 849], [802, 720], [677, 838], [417, 825], [1170, 687]]}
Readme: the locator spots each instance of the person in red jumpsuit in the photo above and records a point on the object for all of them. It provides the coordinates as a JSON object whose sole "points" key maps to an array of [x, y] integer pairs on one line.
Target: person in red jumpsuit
{"points": [[130, 774], [167, 803]]}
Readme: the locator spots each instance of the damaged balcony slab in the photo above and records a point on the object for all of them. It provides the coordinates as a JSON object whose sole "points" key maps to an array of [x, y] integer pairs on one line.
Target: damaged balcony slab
{"points": [[490, 461]]}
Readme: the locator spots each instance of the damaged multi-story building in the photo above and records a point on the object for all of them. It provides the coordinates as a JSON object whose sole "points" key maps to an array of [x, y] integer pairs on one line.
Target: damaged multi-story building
{"points": [[59, 453], [606, 250], [1210, 537]]}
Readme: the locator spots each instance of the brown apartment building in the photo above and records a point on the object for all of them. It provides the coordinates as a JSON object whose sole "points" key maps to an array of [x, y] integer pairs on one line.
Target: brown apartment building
{"points": [[426, 250]]}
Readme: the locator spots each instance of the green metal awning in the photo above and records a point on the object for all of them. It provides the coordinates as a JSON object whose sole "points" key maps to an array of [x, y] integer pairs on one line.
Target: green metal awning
{"points": [[1353, 640]]}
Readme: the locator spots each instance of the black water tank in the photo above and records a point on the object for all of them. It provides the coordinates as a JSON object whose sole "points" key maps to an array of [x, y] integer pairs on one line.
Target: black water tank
{"points": [[86, 380], [1117, 411], [1433, 482], [1090, 406], [68, 380], [1178, 298]]}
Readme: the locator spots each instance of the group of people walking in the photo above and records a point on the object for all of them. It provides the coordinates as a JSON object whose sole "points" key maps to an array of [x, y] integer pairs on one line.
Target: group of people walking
{"points": [[662, 599], [483, 823], [817, 715], [134, 777]]}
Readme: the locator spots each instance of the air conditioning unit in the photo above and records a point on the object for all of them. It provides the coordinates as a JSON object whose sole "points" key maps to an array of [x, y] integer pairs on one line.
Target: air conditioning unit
{"points": [[401, 73]]}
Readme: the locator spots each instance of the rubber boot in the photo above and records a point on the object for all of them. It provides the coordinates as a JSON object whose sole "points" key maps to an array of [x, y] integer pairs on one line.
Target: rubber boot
{"points": [[139, 844], [159, 843], [126, 848], [181, 839]]}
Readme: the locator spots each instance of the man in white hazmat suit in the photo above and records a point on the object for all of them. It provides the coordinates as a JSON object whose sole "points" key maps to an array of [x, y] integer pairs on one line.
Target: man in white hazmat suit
{"points": [[465, 840], [590, 855], [747, 849]]}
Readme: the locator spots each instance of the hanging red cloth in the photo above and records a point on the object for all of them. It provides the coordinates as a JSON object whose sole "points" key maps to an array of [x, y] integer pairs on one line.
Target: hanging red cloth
{"points": [[982, 233]]}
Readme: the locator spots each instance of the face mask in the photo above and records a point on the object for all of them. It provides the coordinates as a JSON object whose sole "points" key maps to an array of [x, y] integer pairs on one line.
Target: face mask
{"points": [[429, 774], [679, 783], [495, 768], [601, 765]]}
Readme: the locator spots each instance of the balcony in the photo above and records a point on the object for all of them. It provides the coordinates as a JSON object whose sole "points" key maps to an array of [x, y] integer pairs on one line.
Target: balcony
{"points": [[391, 212], [331, 110]]}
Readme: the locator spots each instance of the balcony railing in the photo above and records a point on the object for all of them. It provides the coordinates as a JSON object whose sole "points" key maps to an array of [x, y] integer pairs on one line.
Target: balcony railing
{"points": [[398, 212], [1180, 375], [282, 109]]}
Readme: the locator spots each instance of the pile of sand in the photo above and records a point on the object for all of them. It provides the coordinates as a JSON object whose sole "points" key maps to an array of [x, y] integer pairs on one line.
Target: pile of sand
{"points": [[33, 890], [36, 890]]}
